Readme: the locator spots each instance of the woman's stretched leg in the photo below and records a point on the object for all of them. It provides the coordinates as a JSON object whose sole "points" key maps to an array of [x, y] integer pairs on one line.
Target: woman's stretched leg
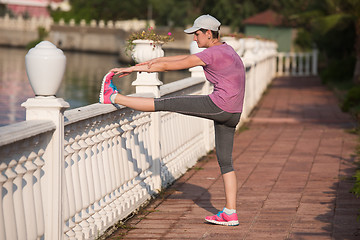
{"points": [[137, 103]]}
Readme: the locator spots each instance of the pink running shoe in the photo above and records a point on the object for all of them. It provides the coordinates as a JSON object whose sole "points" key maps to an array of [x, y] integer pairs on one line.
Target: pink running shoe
{"points": [[107, 89], [223, 219]]}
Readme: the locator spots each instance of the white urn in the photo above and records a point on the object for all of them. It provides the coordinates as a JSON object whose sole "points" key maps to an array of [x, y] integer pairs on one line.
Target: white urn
{"points": [[145, 50], [45, 67]]}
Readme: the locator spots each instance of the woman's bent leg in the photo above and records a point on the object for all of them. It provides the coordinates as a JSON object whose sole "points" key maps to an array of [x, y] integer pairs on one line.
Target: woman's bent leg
{"points": [[198, 106], [230, 185], [224, 138]]}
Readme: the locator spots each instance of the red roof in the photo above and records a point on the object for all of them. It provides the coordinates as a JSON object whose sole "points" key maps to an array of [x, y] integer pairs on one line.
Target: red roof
{"points": [[268, 17]]}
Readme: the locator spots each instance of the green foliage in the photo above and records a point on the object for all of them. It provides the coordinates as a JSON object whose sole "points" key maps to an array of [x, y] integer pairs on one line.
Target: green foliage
{"points": [[103, 10], [352, 100], [3, 9], [304, 40], [328, 25], [326, 31], [149, 34], [356, 187], [338, 70], [166, 13]]}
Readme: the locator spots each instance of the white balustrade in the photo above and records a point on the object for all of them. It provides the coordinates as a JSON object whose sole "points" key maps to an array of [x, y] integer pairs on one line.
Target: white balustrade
{"points": [[32, 24], [74, 174], [22, 148], [22, 24], [297, 64]]}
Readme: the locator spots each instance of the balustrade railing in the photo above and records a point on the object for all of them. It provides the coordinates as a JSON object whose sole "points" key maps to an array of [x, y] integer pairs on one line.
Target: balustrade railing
{"points": [[32, 24], [297, 64], [74, 174]]}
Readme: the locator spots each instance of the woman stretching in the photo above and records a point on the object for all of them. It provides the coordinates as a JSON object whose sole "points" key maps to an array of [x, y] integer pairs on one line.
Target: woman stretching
{"points": [[225, 70]]}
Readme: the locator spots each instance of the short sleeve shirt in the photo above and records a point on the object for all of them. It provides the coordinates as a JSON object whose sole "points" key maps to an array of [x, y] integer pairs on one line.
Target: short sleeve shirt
{"points": [[226, 71]]}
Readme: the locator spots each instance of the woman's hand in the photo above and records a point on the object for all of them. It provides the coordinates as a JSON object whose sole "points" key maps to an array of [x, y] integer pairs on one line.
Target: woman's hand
{"points": [[149, 63], [122, 71]]}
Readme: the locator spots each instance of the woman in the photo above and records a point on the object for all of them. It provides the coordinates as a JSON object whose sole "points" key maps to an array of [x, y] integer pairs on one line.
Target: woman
{"points": [[224, 68]]}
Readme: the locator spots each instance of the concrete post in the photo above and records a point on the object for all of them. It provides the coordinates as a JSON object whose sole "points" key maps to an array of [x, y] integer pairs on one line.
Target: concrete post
{"points": [[150, 83], [45, 66], [51, 108]]}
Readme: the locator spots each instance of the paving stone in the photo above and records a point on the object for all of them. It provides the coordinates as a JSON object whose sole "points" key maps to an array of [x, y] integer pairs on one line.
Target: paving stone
{"points": [[294, 167]]}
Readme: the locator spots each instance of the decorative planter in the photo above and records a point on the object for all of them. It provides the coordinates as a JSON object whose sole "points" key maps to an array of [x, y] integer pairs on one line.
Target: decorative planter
{"points": [[145, 50], [45, 67]]}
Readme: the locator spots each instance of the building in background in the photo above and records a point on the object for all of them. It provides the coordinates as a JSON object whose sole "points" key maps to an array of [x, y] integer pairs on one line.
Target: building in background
{"points": [[271, 25], [35, 8]]}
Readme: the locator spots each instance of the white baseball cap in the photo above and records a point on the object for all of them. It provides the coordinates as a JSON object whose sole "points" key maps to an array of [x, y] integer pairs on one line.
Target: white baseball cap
{"points": [[205, 22]]}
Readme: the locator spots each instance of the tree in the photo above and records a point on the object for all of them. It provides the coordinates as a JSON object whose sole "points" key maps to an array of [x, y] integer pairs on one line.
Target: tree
{"points": [[103, 10], [333, 25]]}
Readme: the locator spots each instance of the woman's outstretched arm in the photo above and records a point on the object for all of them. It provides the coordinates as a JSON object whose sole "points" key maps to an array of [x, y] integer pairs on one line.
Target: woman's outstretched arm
{"points": [[159, 65], [162, 65]]}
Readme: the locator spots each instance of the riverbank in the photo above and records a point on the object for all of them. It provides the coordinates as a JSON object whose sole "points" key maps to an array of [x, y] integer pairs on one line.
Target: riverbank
{"points": [[96, 37]]}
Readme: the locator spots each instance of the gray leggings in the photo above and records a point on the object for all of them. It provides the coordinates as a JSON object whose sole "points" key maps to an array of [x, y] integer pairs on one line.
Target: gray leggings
{"points": [[203, 106]]}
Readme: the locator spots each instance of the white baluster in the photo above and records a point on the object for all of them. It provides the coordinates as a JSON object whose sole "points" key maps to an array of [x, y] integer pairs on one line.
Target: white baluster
{"points": [[90, 180], [100, 160], [39, 162], [314, 62], [280, 68], [70, 206], [84, 189], [18, 198], [67, 230], [136, 146], [287, 64], [124, 153], [301, 64], [117, 166], [112, 160], [2, 216], [77, 187], [28, 197], [107, 172], [129, 157], [96, 177], [8, 201], [293, 64], [307, 64]]}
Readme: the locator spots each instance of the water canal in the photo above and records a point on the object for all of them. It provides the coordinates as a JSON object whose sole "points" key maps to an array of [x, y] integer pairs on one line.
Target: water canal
{"points": [[80, 85]]}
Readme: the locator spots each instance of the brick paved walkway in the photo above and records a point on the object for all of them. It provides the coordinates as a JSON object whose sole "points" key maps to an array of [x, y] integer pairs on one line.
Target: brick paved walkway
{"points": [[294, 164]]}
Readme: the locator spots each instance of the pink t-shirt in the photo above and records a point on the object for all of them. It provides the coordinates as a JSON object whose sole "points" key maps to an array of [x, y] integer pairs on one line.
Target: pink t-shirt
{"points": [[226, 71]]}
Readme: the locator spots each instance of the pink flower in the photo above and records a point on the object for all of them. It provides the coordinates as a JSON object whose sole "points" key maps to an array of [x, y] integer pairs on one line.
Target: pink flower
{"points": [[169, 33]]}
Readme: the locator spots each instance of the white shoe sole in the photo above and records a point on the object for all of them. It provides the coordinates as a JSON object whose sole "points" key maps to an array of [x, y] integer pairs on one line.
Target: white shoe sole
{"points": [[230, 223], [101, 95]]}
